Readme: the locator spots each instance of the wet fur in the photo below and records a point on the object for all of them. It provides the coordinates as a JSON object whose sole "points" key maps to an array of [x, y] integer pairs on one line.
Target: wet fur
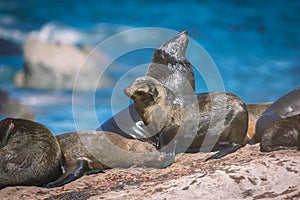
{"points": [[165, 115], [278, 127]]}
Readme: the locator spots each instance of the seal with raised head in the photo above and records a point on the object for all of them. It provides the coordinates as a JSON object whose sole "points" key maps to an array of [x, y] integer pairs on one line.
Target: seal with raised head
{"points": [[159, 106], [86, 152], [29, 152], [168, 65]]}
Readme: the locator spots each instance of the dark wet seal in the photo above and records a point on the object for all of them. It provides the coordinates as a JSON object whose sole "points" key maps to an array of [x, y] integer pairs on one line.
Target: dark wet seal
{"points": [[286, 106], [169, 65], [29, 152], [282, 134], [278, 127]]}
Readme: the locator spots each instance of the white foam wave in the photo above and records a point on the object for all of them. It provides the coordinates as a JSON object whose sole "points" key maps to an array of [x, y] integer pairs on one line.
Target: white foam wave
{"points": [[55, 32], [58, 32], [44, 99]]}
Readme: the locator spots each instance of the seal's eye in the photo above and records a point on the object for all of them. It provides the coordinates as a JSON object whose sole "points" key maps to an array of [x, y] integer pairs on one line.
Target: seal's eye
{"points": [[139, 92]]}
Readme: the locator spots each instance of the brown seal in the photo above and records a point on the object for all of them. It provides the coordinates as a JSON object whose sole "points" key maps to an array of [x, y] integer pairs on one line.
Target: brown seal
{"points": [[29, 152], [170, 68], [167, 65], [159, 106], [282, 134], [86, 152]]}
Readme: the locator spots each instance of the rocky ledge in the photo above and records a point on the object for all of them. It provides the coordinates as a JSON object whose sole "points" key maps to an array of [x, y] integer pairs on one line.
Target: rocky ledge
{"points": [[245, 174]]}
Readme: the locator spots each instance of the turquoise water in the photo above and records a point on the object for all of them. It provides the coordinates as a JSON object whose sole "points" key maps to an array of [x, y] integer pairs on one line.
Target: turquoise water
{"points": [[255, 45]]}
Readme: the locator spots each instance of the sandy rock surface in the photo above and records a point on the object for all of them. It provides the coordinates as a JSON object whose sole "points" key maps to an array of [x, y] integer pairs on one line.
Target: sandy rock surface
{"points": [[245, 174]]}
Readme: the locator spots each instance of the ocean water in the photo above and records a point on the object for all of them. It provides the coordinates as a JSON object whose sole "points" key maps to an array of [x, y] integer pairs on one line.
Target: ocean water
{"points": [[254, 44]]}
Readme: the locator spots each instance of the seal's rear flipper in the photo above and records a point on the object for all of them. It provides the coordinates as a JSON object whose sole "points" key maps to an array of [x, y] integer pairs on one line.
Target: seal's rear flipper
{"points": [[223, 152], [78, 169]]}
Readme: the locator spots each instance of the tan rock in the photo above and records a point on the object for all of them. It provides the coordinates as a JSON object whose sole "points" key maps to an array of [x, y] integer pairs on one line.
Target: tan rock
{"points": [[49, 65], [245, 174]]}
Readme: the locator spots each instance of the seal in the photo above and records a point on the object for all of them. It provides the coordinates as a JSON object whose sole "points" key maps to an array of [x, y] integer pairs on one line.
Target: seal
{"points": [[281, 134], [168, 64], [87, 152], [157, 105], [169, 67], [286, 106], [29, 152]]}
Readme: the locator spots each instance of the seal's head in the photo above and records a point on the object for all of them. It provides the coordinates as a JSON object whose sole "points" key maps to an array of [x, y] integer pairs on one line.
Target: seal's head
{"points": [[176, 46], [170, 66], [152, 101]]}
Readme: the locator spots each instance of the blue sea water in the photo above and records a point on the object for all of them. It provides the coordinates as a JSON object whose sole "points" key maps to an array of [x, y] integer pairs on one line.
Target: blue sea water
{"points": [[255, 45]]}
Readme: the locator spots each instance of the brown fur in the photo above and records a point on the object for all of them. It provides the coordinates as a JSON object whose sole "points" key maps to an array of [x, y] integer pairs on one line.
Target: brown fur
{"points": [[159, 107], [29, 152], [86, 152]]}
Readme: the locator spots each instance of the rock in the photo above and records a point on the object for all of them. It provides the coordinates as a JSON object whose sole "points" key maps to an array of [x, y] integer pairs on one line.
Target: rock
{"points": [[11, 107], [49, 65], [245, 174]]}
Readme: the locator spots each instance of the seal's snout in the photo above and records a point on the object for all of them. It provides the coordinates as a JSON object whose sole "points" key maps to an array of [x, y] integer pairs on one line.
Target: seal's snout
{"points": [[132, 91], [138, 87], [177, 45], [185, 32], [128, 92]]}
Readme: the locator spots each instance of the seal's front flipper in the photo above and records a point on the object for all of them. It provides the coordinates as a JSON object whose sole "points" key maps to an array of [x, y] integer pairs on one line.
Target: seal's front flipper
{"points": [[73, 172], [223, 152]]}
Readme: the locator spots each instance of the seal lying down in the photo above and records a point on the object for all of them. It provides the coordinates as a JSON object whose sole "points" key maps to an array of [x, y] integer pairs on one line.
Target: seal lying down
{"points": [[169, 76], [31, 155], [86, 152], [279, 126]]}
